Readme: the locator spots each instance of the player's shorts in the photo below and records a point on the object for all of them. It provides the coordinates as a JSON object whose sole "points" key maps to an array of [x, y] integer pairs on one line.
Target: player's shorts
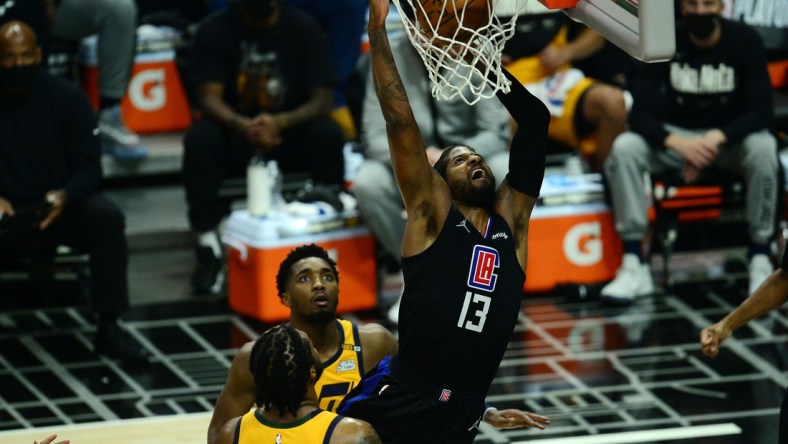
{"points": [[404, 409]]}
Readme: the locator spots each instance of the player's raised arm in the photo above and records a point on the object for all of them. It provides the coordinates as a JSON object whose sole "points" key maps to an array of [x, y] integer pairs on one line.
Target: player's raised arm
{"points": [[517, 194], [422, 189]]}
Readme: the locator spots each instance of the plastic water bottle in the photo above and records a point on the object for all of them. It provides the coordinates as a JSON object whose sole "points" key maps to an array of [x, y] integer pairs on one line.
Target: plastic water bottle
{"points": [[277, 200], [258, 187]]}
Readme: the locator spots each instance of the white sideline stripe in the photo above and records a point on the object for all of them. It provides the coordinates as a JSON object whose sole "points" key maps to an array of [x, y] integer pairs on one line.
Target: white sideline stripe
{"points": [[645, 436]]}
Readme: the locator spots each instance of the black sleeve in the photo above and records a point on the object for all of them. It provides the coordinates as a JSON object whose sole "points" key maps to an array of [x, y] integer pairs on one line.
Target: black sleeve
{"points": [[209, 51], [784, 262], [648, 89], [82, 146], [755, 87], [529, 144]]}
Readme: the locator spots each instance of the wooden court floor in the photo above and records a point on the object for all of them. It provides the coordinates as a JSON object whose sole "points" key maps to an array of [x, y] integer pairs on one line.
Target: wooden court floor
{"points": [[175, 429]]}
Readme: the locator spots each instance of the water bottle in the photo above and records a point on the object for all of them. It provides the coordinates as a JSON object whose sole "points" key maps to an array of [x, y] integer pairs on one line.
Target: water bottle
{"points": [[258, 187], [277, 200]]}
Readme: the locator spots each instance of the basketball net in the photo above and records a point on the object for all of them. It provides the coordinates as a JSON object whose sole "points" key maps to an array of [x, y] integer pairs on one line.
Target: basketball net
{"points": [[467, 63]]}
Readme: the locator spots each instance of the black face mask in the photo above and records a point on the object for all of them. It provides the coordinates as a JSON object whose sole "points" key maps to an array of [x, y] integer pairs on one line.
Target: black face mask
{"points": [[702, 25], [259, 10], [18, 79]]}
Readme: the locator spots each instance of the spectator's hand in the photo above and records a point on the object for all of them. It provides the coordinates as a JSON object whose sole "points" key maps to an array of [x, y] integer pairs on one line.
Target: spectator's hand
{"points": [[697, 151], [711, 338], [715, 137], [690, 173], [264, 131], [553, 58], [433, 154], [513, 418], [57, 201], [51, 438], [6, 208]]}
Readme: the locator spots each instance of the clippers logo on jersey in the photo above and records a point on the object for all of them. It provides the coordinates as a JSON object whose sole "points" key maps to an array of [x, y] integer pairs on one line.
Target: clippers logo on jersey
{"points": [[445, 395], [484, 262], [345, 366]]}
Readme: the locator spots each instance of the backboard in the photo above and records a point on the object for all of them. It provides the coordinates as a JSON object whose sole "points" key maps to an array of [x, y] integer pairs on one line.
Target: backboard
{"points": [[643, 28]]}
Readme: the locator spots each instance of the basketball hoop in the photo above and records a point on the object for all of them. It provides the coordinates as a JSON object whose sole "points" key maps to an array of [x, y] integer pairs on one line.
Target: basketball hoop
{"points": [[460, 43]]}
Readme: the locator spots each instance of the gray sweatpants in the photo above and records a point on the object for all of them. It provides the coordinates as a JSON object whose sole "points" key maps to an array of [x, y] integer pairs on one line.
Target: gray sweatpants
{"points": [[115, 22], [755, 159]]}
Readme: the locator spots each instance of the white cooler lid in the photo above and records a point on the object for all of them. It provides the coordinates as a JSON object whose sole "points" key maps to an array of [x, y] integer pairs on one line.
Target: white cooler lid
{"points": [[283, 230]]}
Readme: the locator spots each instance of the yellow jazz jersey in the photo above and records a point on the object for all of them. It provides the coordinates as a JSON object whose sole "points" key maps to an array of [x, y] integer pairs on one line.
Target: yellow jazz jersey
{"points": [[315, 427], [342, 371]]}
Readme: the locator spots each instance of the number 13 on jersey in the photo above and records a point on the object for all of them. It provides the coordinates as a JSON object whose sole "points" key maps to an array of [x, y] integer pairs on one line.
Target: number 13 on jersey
{"points": [[474, 320]]}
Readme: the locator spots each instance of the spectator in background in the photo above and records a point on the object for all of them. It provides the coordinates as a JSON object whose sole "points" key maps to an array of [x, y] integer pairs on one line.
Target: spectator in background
{"points": [[587, 115], [265, 82], [343, 21], [49, 182], [115, 22], [483, 126], [709, 106], [35, 14]]}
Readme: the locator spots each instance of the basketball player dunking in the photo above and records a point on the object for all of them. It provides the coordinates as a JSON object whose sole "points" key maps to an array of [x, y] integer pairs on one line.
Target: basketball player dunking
{"points": [[464, 256]]}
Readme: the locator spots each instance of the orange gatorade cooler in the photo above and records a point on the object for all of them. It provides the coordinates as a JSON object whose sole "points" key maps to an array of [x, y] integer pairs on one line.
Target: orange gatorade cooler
{"points": [[257, 245], [155, 99], [571, 236]]}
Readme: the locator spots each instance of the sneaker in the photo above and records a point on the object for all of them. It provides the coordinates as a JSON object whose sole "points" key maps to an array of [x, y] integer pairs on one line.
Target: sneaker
{"points": [[760, 269], [632, 279], [123, 153], [208, 276], [111, 125], [116, 343]]}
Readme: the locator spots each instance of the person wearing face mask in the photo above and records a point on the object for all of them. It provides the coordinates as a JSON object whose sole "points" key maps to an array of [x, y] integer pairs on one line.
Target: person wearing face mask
{"points": [[265, 80], [711, 105], [50, 174]]}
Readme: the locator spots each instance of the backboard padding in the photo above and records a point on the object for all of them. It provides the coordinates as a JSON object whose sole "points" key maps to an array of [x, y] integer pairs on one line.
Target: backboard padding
{"points": [[645, 29]]}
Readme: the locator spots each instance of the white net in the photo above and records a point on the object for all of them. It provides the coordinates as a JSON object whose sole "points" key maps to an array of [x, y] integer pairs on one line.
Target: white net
{"points": [[466, 63]]}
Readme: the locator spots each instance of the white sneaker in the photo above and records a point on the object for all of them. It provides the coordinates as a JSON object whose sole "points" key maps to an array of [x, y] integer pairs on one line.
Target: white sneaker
{"points": [[111, 125], [632, 279], [760, 269]]}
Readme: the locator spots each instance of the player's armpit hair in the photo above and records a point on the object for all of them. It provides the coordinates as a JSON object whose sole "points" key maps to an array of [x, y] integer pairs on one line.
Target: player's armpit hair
{"points": [[529, 144]]}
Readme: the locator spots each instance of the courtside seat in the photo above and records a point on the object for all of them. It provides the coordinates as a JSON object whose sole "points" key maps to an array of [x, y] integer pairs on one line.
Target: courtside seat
{"points": [[713, 209], [717, 198]]}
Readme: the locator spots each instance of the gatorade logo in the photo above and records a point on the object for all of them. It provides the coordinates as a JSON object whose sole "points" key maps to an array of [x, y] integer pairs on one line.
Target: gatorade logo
{"points": [[583, 244], [147, 91]]}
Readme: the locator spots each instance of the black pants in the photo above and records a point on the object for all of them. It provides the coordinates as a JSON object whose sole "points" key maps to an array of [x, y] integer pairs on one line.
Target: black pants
{"points": [[403, 410], [212, 153], [94, 225]]}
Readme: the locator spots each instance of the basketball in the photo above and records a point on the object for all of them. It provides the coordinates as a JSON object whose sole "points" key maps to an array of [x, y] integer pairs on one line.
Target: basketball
{"points": [[471, 14]]}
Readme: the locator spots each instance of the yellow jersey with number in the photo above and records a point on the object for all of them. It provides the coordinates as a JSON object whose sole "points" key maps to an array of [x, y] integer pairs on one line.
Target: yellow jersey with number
{"points": [[343, 370], [316, 427]]}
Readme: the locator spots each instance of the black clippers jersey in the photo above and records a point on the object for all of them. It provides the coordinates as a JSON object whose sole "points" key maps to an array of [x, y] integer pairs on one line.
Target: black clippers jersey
{"points": [[461, 302]]}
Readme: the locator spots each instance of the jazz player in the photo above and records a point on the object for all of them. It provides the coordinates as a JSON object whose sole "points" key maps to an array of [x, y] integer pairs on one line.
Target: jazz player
{"points": [[308, 283], [463, 260], [285, 368]]}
